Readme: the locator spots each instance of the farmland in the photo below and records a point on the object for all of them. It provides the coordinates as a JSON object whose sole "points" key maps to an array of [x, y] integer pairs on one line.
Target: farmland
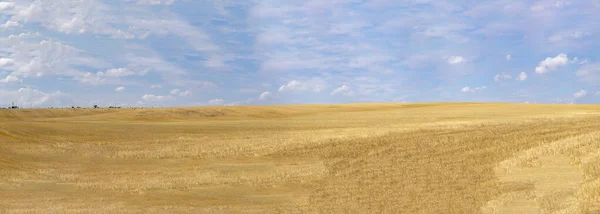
{"points": [[351, 158]]}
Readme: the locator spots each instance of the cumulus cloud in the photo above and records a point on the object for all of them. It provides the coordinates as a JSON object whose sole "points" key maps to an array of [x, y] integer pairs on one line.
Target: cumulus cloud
{"points": [[468, 89], [6, 5], [343, 90], [27, 58], [216, 101], [175, 91], [508, 57], [293, 85], [120, 89], [157, 98], [314, 85], [5, 62], [11, 79], [455, 59], [580, 94], [552, 63], [265, 95], [28, 97], [10, 24], [502, 76], [185, 93], [71, 17], [522, 76], [118, 72]]}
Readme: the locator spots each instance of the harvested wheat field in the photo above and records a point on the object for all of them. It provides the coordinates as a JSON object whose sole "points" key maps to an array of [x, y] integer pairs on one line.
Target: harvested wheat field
{"points": [[353, 158]]}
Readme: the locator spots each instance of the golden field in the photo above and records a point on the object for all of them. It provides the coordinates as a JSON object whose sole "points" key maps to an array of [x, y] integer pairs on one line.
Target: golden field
{"points": [[352, 158]]}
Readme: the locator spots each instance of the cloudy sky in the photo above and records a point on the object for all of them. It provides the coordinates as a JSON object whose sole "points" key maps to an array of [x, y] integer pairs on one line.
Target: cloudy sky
{"points": [[222, 52]]}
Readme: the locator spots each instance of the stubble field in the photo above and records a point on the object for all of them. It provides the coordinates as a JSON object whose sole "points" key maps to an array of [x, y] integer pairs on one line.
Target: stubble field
{"points": [[353, 158]]}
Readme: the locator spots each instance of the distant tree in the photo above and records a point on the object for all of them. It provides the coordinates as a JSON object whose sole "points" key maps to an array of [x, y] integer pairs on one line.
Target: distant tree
{"points": [[95, 106]]}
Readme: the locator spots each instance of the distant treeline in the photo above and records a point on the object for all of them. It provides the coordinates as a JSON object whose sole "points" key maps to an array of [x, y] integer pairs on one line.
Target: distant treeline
{"points": [[11, 107], [73, 107]]}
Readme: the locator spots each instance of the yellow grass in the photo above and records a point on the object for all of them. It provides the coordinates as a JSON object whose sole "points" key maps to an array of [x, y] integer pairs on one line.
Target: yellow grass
{"points": [[354, 158]]}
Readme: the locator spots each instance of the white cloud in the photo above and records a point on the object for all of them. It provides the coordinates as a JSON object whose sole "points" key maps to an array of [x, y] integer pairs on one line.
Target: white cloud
{"points": [[299, 35], [238, 103], [449, 31], [10, 24], [198, 39], [27, 97], [120, 89], [154, 2], [110, 75], [119, 72], [522, 76], [508, 57], [567, 35], [150, 61], [343, 90], [11, 79], [314, 85], [552, 63], [206, 84], [502, 76], [454, 60], [561, 4], [157, 98], [28, 58], [589, 73], [293, 85], [71, 17], [175, 91], [468, 89], [216, 102], [578, 61], [265, 95], [545, 7], [6, 5], [215, 62], [5, 62], [580, 94], [185, 93], [91, 79], [100, 18], [156, 86]]}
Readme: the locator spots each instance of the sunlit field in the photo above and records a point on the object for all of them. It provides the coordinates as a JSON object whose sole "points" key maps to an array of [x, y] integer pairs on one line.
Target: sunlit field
{"points": [[353, 158]]}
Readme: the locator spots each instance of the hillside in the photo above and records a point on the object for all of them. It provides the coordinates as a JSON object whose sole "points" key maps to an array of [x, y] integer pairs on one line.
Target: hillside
{"points": [[352, 158]]}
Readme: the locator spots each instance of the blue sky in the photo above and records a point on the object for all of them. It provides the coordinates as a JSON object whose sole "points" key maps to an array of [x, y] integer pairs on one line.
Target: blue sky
{"points": [[221, 52]]}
